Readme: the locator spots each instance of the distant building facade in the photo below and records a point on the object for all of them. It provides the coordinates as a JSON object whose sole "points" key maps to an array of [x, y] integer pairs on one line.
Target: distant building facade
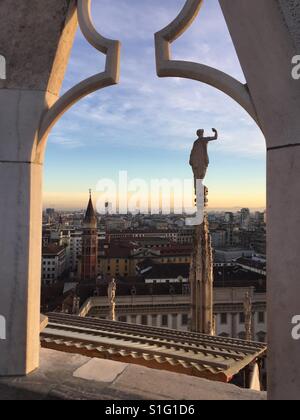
{"points": [[54, 263], [75, 250], [160, 296]]}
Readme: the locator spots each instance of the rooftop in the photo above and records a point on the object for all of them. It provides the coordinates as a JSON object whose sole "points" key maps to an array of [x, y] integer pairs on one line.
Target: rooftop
{"points": [[252, 263], [215, 358], [52, 250], [229, 277], [167, 271]]}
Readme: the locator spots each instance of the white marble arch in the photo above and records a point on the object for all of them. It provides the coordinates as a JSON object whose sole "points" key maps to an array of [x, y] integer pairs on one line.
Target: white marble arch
{"points": [[29, 107], [110, 76], [166, 67]]}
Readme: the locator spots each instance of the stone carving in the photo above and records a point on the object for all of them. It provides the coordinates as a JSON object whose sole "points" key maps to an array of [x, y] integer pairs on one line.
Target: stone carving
{"points": [[199, 159], [109, 77], [199, 162], [166, 67], [201, 281], [248, 316], [111, 292], [76, 305], [201, 269]]}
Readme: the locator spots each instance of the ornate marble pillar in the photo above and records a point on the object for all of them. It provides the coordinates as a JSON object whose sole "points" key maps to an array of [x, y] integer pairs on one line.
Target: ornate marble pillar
{"points": [[201, 280], [36, 42], [266, 35]]}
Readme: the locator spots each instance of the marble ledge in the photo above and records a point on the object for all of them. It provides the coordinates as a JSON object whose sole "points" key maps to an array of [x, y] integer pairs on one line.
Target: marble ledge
{"points": [[64, 376]]}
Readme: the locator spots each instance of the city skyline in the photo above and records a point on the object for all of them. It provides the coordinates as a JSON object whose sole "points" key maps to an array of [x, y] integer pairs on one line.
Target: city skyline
{"points": [[148, 125], [81, 209]]}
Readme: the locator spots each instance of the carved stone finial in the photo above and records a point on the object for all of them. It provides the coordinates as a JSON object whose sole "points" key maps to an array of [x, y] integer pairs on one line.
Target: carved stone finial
{"points": [[111, 292]]}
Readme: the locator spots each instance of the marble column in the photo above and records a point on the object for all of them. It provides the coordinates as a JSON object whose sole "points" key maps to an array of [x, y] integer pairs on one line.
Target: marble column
{"points": [[266, 35], [201, 281], [36, 42]]}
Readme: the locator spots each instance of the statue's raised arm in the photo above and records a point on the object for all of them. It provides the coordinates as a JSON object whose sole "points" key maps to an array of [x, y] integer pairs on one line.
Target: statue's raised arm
{"points": [[215, 137]]}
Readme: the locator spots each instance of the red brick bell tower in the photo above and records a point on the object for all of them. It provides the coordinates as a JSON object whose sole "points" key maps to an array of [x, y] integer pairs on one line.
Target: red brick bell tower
{"points": [[89, 245]]}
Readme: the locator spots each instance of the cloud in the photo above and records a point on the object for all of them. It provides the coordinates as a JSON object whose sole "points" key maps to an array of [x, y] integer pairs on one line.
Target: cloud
{"points": [[67, 143]]}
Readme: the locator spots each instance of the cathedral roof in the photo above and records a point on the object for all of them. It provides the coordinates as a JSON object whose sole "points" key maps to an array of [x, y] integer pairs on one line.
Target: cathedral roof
{"points": [[214, 358]]}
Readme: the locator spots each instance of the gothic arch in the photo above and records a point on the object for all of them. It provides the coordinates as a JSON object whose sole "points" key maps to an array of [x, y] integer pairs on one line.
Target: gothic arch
{"points": [[166, 67], [110, 76]]}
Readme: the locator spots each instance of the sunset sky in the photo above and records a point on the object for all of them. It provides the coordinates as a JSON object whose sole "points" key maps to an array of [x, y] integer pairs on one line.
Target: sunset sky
{"points": [[147, 125]]}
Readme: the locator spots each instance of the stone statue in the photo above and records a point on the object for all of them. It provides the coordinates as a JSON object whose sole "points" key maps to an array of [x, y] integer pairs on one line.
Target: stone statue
{"points": [[111, 292], [199, 159], [248, 316], [201, 269]]}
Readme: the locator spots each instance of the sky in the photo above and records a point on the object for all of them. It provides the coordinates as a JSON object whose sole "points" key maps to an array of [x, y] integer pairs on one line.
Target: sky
{"points": [[146, 125]]}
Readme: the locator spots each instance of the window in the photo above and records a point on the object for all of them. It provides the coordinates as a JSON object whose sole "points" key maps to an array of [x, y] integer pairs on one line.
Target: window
{"points": [[261, 337], [154, 320], [261, 317], [223, 319], [122, 319], [242, 335], [164, 321], [184, 319], [242, 318], [144, 320], [174, 321]]}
